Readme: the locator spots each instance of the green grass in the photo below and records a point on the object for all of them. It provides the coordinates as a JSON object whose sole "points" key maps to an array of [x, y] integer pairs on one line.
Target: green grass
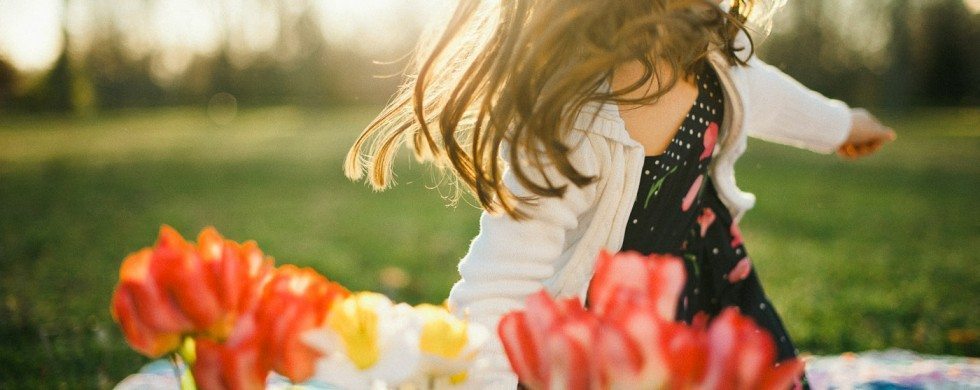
{"points": [[856, 255]]}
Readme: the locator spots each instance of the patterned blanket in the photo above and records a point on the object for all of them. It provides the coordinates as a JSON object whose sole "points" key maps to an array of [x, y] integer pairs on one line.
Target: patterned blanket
{"points": [[891, 369]]}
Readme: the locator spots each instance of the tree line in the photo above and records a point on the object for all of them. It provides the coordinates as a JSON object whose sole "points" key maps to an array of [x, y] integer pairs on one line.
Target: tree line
{"points": [[921, 53]]}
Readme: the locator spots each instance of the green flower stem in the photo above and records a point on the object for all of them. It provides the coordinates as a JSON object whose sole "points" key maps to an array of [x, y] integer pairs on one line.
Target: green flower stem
{"points": [[656, 187]]}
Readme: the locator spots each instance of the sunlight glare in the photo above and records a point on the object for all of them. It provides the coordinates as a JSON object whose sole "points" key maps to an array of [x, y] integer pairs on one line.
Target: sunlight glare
{"points": [[377, 27], [31, 36], [972, 5], [182, 29]]}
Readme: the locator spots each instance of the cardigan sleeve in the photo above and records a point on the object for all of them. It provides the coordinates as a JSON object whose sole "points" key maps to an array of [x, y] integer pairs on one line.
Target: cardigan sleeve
{"points": [[780, 109], [509, 260]]}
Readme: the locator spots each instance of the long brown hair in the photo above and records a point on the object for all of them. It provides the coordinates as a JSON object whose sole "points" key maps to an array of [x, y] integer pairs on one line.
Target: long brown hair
{"points": [[519, 70]]}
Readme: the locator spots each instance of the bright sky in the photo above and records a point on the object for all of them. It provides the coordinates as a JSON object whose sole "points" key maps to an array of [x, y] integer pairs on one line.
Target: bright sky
{"points": [[31, 35], [30, 32]]}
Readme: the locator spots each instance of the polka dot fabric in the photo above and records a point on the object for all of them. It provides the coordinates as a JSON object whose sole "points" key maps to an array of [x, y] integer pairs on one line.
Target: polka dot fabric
{"points": [[678, 211]]}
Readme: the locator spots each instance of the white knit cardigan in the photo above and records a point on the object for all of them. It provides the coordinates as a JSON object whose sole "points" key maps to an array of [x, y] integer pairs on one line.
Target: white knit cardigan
{"points": [[555, 249]]}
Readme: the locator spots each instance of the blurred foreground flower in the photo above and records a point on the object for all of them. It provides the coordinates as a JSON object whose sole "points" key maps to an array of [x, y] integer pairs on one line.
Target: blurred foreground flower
{"points": [[368, 342], [236, 315], [294, 302], [628, 339], [233, 318], [176, 289], [449, 347]]}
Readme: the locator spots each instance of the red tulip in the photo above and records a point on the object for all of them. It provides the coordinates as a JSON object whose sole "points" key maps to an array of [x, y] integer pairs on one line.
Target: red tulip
{"points": [[237, 273], [176, 289], [710, 138], [181, 274], [237, 363], [629, 276], [686, 350], [293, 302], [150, 320]]}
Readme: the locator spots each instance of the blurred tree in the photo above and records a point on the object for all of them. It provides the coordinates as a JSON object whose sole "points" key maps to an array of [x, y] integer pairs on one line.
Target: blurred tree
{"points": [[930, 56], [897, 81], [890, 53], [8, 81], [949, 54]]}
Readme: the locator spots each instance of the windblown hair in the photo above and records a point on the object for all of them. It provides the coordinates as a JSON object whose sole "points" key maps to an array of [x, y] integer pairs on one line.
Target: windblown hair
{"points": [[519, 71]]}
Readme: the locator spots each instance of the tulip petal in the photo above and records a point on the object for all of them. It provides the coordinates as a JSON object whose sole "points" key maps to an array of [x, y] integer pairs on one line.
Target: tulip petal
{"points": [[179, 272], [293, 302], [784, 375], [523, 350], [657, 278], [568, 359], [618, 357], [686, 348], [139, 335], [154, 306]]}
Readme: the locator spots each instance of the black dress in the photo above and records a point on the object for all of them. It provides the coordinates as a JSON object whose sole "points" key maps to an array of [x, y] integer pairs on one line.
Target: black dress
{"points": [[678, 211]]}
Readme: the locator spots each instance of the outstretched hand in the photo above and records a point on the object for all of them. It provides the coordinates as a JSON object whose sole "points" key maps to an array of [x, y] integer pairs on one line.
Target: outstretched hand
{"points": [[866, 136]]}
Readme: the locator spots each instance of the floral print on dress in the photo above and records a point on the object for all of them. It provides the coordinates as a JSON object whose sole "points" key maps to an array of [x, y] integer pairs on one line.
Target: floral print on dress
{"points": [[710, 138], [736, 235], [678, 211], [691, 193], [740, 271], [705, 220]]}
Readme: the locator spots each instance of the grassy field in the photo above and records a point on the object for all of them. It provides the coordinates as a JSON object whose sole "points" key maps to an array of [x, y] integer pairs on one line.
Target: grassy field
{"points": [[859, 255]]}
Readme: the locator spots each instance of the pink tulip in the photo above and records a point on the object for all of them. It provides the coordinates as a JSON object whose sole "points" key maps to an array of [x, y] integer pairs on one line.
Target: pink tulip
{"points": [[627, 340], [569, 349], [710, 138], [550, 347], [628, 276], [523, 349], [692, 193], [705, 220], [642, 329]]}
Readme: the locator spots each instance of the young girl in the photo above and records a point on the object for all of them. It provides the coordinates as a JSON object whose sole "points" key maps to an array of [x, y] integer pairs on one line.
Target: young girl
{"points": [[580, 125]]}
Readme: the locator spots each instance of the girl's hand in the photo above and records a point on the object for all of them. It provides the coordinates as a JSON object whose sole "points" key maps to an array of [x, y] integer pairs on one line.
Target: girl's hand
{"points": [[866, 136]]}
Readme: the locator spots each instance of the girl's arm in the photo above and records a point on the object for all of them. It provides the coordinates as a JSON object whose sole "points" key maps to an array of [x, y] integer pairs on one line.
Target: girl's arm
{"points": [[780, 109], [509, 259]]}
